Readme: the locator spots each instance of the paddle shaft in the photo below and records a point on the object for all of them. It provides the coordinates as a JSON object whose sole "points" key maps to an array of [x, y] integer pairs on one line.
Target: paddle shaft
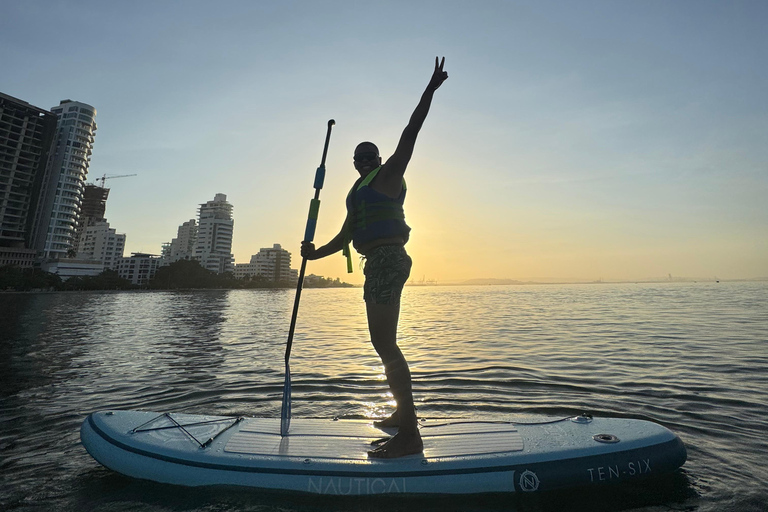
{"points": [[309, 234], [306, 239]]}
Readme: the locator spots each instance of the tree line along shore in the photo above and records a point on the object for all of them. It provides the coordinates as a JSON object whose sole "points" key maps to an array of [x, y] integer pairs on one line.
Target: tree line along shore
{"points": [[180, 275]]}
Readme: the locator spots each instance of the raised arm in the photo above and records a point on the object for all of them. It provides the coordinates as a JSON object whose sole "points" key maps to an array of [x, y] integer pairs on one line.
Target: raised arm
{"points": [[394, 168]]}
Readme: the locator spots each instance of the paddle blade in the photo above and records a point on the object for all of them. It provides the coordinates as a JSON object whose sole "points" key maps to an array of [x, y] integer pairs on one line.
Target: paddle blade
{"points": [[285, 413]]}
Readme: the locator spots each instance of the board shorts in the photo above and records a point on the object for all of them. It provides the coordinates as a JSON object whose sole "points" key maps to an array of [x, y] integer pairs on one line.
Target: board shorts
{"points": [[386, 270]]}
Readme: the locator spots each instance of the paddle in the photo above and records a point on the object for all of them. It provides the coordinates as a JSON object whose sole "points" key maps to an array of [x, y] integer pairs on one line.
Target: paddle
{"points": [[309, 235]]}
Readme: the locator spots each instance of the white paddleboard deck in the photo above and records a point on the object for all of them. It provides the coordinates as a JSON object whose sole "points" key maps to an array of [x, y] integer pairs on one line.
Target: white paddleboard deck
{"points": [[323, 456]]}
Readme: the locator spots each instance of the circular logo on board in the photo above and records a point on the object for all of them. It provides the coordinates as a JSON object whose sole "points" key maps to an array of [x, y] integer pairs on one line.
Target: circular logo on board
{"points": [[529, 481]]}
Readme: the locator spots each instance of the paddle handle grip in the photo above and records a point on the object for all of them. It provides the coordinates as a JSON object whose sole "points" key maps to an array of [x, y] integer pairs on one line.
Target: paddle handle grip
{"points": [[314, 210], [314, 205], [319, 177]]}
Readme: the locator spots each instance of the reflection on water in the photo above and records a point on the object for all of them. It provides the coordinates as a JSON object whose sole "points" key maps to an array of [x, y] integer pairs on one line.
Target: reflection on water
{"points": [[691, 356]]}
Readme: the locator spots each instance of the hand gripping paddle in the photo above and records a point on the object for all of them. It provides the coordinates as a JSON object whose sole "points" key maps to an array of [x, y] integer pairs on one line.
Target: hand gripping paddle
{"points": [[309, 235]]}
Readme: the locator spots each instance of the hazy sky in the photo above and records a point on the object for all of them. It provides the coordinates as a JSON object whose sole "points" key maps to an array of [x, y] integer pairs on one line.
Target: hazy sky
{"points": [[614, 140]]}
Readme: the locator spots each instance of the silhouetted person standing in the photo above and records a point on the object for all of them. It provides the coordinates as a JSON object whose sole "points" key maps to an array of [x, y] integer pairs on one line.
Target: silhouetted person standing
{"points": [[375, 224]]}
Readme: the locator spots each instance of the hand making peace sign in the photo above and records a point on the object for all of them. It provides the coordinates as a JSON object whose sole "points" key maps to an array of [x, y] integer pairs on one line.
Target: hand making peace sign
{"points": [[439, 76]]}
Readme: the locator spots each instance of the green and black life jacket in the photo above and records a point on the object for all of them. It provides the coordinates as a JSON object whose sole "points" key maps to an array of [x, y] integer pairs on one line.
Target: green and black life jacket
{"points": [[373, 215]]}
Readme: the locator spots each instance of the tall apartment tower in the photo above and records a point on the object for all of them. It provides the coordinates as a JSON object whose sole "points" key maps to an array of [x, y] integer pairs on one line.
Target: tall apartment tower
{"points": [[92, 209], [183, 246], [62, 192], [94, 204], [213, 248], [26, 135]]}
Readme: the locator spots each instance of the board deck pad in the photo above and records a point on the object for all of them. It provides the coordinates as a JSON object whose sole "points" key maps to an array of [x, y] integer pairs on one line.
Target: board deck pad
{"points": [[351, 439]]}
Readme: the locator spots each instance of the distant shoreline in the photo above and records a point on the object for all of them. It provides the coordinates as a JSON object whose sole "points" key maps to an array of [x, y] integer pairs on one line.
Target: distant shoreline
{"points": [[480, 282], [507, 282]]}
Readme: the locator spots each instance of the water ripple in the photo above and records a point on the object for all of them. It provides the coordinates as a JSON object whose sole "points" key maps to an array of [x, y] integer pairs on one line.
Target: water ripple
{"points": [[693, 357]]}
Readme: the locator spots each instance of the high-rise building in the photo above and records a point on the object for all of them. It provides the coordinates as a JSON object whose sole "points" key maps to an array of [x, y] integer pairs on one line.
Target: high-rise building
{"points": [[101, 243], [183, 246], [165, 253], [213, 248], [92, 209], [62, 191], [26, 135], [94, 204]]}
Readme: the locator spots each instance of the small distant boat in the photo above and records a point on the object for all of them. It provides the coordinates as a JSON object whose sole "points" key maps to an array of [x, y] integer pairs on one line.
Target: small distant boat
{"points": [[321, 456]]}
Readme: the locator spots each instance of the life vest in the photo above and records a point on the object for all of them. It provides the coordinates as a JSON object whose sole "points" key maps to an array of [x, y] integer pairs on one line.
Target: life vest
{"points": [[373, 216]]}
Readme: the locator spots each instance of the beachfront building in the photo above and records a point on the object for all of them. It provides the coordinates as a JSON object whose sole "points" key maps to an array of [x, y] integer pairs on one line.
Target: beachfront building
{"points": [[101, 243], [246, 270], [139, 268], [165, 253], [72, 267], [63, 186], [26, 135], [183, 246], [271, 263], [213, 247]]}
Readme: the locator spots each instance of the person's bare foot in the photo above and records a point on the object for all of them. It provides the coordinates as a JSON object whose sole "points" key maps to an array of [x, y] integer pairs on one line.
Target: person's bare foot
{"points": [[392, 422], [400, 445]]}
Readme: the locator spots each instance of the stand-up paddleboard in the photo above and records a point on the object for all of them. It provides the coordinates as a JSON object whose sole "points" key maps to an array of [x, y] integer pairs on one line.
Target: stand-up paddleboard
{"points": [[330, 456]]}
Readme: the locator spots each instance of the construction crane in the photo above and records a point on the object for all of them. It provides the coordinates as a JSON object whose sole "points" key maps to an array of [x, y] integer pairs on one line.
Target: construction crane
{"points": [[104, 178]]}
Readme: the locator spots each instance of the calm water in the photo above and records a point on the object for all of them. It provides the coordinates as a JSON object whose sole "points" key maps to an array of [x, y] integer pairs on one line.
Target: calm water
{"points": [[693, 357]]}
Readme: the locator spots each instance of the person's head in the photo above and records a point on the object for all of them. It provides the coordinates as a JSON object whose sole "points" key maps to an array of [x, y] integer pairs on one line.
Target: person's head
{"points": [[366, 157]]}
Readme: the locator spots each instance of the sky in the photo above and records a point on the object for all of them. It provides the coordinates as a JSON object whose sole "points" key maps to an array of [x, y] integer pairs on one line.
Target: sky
{"points": [[587, 140]]}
